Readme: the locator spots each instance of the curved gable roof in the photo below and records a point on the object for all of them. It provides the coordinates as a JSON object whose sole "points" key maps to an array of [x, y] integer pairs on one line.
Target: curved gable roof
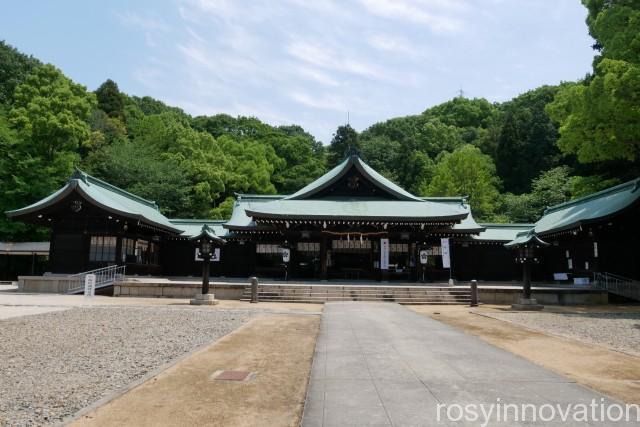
{"points": [[105, 196], [587, 209], [353, 161]]}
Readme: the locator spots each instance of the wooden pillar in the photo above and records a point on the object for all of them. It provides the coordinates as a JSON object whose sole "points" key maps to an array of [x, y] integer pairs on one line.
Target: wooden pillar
{"points": [[595, 255], [526, 278], [323, 258]]}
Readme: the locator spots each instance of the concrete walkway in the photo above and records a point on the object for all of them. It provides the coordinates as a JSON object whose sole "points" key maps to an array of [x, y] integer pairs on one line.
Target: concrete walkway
{"points": [[382, 364]]}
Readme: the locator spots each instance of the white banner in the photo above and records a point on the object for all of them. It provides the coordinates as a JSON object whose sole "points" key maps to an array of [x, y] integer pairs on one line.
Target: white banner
{"points": [[446, 258], [384, 254], [215, 255], [424, 256]]}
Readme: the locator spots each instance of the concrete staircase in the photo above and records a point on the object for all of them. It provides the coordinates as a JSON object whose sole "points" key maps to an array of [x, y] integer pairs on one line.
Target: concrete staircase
{"points": [[442, 295]]}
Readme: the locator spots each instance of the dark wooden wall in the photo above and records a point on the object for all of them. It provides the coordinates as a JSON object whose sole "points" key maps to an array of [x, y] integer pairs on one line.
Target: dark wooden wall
{"points": [[483, 262]]}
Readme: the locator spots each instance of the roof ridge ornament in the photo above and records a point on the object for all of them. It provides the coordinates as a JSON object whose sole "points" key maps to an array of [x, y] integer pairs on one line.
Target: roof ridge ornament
{"points": [[78, 174], [352, 151], [208, 233]]}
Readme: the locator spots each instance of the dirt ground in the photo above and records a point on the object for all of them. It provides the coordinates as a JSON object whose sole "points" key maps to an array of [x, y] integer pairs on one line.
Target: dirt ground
{"points": [[278, 348], [607, 371]]}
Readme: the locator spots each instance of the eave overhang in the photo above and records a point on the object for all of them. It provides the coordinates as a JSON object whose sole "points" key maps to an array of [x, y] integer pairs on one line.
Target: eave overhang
{"points": [[74, 186], [260, 216]]}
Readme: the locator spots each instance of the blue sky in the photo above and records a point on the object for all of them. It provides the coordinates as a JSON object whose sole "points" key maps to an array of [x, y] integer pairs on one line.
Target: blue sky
{"points": [[303, 61]]}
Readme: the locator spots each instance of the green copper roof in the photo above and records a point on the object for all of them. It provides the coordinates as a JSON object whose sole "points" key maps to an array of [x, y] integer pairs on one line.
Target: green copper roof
{"points": [[353, 161], [355, 209], [239, 218], [466, 225], [193, 227], [587, 209], [209, 233], [526, 237], [501, 232], [104, 196]]}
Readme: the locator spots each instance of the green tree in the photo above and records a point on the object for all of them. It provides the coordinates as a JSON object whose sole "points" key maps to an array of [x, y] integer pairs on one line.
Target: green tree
{"points": [[207, 166], [600, 121], [584, 185], [14, 68], [549, 188], [471, 116], [51, 112], [381, 153], [345, 138], [146, 172], [467, 172], [110, 99], [15, 191], [106, 130], [527, 141], [253, 166], [302, 158], [40, 141], [600, 118], [615, 25], [224, 209]]}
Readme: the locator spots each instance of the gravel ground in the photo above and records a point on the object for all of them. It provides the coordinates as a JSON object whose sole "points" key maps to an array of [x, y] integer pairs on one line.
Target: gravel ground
{"points": [[54, 364], [618, 331]]}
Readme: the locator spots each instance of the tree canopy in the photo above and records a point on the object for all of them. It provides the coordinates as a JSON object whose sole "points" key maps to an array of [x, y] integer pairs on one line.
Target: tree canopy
{"points": [[345, 138], [600, 117], [467, 172]]}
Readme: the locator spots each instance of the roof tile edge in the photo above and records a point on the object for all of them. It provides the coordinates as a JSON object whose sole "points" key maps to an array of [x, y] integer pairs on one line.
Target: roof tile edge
{"points": [[89, 180], [635, 183]]}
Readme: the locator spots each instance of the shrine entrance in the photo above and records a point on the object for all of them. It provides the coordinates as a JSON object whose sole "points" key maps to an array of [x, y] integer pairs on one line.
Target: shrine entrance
{"points": [[352, 259]]}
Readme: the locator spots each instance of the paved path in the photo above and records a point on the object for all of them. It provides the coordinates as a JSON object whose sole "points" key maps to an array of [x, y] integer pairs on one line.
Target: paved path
{"points": [[382, 364]]}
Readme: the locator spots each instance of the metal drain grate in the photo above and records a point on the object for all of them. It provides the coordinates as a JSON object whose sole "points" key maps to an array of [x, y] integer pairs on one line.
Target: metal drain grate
{"points": [[232, 375]]}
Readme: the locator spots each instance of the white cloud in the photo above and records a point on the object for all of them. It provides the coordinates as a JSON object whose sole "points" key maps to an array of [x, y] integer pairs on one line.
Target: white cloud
{"points": [[434, 14], [323, 102], [316, 75], [146, 23], [326, 58], [152, 27], [196, 54], [389, 43], [308, 62]]}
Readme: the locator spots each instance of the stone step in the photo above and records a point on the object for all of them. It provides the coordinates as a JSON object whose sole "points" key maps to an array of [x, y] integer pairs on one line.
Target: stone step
{"points": [[359, 293], [321, 294], [409, 294], [374, 290], [364, 289], [407, 302], [267, 295]]}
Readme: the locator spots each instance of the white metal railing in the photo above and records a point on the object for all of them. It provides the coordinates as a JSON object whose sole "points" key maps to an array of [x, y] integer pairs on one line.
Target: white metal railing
{"points": [[618, 285], [105, 276]]}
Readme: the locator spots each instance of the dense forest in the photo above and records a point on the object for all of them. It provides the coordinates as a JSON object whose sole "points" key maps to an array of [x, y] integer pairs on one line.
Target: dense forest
{"points": [[511, 159]]}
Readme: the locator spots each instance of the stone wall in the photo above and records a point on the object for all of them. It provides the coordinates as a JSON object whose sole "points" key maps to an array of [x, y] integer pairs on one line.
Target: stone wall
{"points": [[43, 284], [175, 289], [497, 295]]}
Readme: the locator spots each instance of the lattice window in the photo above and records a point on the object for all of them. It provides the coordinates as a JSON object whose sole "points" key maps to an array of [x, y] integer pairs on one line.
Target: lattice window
{"points": [[103, 248]]}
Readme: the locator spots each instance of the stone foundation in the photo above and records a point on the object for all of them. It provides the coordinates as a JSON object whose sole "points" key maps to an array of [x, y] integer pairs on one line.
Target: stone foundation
{"points": [[175, 289], [168, 288], [554, 296], [50, 284]]}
